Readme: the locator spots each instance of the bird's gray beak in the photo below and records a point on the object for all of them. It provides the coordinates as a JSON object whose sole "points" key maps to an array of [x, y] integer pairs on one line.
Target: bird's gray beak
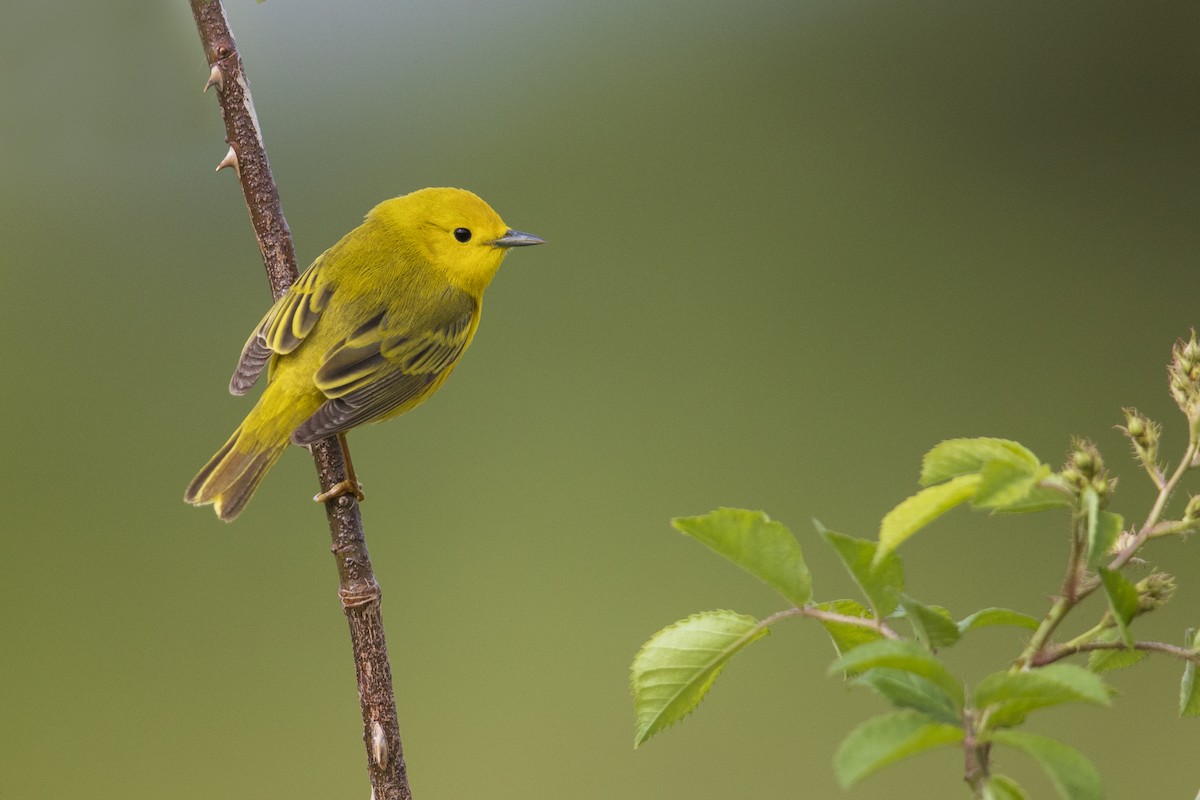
{"points": [[513, 238]]}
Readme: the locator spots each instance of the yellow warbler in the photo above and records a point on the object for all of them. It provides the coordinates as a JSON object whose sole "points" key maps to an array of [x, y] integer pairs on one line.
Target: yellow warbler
{"points": [[369, 331]]}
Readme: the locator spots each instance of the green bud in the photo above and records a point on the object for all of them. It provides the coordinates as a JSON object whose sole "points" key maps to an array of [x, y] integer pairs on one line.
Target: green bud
{"points": [[1192, 512], [1143, 435], [1154, 591], [1184, 377]]}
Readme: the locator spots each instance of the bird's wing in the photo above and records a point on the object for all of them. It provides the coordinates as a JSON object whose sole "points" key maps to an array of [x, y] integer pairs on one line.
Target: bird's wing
{"points": [[283, 327], [383, 366]]}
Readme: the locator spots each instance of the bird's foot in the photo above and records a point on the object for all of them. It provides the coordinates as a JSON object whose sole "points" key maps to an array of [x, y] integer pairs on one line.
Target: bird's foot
{"points": [[341, 489]]}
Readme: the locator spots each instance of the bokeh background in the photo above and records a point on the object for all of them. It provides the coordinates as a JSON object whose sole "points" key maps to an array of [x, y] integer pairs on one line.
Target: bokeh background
{"points": [[791, 246]]}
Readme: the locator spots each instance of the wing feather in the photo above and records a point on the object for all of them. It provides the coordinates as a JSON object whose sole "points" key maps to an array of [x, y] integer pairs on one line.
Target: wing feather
{"points": [[384, 367], [285, 325]]}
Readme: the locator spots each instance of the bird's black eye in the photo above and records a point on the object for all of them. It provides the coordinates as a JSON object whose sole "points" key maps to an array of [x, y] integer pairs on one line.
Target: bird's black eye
{"points": [[462, 234]]}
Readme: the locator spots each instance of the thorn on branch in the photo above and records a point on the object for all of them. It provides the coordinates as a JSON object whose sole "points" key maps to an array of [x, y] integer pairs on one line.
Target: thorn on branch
{"points": [[230, 160], [215, 78], [379, 748]]}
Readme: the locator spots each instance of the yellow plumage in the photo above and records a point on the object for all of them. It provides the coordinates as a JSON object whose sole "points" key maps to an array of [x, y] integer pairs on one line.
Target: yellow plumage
{"points": [[367, 332]]}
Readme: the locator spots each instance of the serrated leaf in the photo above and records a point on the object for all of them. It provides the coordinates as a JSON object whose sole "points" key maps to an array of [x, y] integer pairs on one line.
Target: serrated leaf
{"points": [[907, 656], [922, 508], [997, 616], [1189, 698], [955, 457], [678, 665], [881, 580], [906, 690], [1108, 660], [1015, 694], [756, 543], [933, 626], [1005, 484], [885, 740], [1122, 600], [1072, 775], [1001, 787], [846, 636]]}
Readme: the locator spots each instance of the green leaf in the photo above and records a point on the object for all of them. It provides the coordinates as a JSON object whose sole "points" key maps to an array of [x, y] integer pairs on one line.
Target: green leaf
{"points": [[1072, 775], [997, 616], [885, 740], [1189, 698], [907, 656], [1122, 600], [1103, 527], [922, 508], [844, 635], [906, 690], [1106, 660], [679, 664], [881, 580], [1040, 498], [1015, 694], [1005, 484], [756, 543], [1001, 787], [933, 625], [955, 457]]}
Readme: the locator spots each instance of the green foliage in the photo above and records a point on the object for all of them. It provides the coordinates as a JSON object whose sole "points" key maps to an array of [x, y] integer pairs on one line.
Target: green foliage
{"points": [[1122, 601], [993, 474], [880, 579], [955, 457], [886, 739], [1189, 697], [905, 689], [848, 635], [932, 625], [987, 617], [932, 707], [1105, 660], [1010, 696], [999, 787], [1103, 528], [906, 656], [923, 508], [756, 543], [1072, 775], [676, 668]]}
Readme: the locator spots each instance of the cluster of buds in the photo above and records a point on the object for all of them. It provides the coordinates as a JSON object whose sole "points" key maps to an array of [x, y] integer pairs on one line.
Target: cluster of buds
{"points": [[1143, 434], [1085, 467], [1184, 376], [1154, 591]]}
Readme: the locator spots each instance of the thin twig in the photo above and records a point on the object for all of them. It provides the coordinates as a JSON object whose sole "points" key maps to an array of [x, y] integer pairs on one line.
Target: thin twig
{"points": [[1160, 504], [358, 590], [1065, 651], [821, 614]]}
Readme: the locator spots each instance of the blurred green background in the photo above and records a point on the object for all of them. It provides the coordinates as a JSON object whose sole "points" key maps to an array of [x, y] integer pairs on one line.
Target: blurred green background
{"points": [[792, 245]]}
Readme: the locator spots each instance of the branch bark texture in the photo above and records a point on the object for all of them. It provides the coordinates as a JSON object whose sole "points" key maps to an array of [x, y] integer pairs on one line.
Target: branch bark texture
{"points": [[358, 590]]}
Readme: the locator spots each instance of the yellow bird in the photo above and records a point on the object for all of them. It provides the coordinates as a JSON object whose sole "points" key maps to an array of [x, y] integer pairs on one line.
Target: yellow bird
{"points": [[367, 332]]}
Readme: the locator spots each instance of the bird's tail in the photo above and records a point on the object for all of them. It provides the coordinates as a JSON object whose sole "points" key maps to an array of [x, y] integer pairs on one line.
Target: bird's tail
{"points": [[230, 477]]}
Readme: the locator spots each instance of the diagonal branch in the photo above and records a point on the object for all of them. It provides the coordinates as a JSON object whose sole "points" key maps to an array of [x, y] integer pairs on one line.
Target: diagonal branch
{"points": [[358, 590]]}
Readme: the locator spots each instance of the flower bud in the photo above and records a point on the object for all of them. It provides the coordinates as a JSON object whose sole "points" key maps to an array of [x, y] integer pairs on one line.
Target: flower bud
{"points": [[1184, 377], [1154, 591], [1192, 512]]}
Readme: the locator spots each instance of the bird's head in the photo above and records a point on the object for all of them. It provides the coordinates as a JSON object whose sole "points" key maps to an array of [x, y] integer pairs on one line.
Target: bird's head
{"points": [[456, 231]]}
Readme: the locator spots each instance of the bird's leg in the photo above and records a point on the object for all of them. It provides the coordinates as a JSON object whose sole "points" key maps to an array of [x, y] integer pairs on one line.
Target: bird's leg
{"points": [[348, 486]]}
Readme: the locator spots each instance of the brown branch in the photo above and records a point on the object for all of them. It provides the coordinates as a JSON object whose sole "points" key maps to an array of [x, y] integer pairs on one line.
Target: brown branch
{"points": [[358, 590], [1065, 651]]}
